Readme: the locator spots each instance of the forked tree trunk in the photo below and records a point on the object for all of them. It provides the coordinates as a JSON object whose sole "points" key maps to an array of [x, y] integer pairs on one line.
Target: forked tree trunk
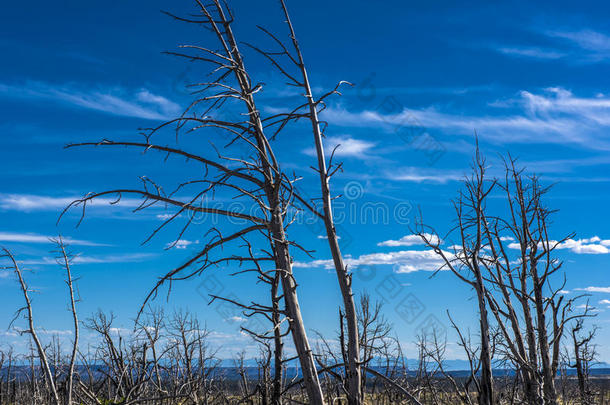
{"points": [[281, 244], [297, 328]]}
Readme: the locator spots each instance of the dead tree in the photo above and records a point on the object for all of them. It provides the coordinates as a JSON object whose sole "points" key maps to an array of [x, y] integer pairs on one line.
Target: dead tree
{"points": [[255, 177], [464, 262], [151, 329], [273, 313], [524, 293], [518, 276], [64, 259], [51, 361], [31, 330], [312, 107], [584, 356], [309, 111], [375, 338]]}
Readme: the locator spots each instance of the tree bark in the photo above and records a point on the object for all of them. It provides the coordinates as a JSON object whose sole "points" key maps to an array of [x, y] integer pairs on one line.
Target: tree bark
{"points": [[354, 392]]}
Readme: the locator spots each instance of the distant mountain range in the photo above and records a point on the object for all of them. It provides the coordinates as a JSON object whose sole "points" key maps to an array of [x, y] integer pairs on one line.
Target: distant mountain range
{"points": [[412, 364], [228, 369]]}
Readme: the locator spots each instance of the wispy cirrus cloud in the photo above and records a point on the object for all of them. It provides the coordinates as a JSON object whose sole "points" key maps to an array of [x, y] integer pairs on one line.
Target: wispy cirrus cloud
{"points": [[37, 238], [594, 45], [424, 175], [181, 244], [530, 52], [574, 46], [344, 146], [97, 259], [33, 202], [552, 115], [137, 103]]}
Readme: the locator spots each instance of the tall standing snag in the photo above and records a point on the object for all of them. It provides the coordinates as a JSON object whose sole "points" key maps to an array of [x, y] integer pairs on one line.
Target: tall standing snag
{"points": [[512, 258], [465, 261], [255, 177], [40, 350], [309, 111], [343, 277], [64, 260]]}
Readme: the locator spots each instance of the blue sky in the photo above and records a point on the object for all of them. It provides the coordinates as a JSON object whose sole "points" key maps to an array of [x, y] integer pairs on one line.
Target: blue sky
{"points": [[530, 79]]}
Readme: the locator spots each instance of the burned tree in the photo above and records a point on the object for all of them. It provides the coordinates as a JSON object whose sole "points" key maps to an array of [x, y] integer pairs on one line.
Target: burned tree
{"points": [[251, 175], [285, 60], [31, 330], [59, 380], [465, 260], [524, 294], [354, 383], [516, 273], [584, 357]]}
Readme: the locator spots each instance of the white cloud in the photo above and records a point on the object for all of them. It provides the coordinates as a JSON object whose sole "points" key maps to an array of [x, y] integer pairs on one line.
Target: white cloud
{"points": [[563, 292], [37, 238], [55, 332], [410, 240], [141, 103], [596, 44], [25, 202], [404, 261], [594, 245], [121, 331], [345, 146], [227, 337], [604, 302], [552, 115], [165, 217], [590, 249], [595, 289], [30, 202], [587, 306], [575, 46], [531, 52], [117, 258], [420, 175], [181, 244]]}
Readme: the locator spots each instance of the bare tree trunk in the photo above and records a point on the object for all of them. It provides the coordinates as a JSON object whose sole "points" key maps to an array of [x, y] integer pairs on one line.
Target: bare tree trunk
{"points": [[550, 394], [293, 310], [276, 392], [583, 355], [343, 277], [66, 265], [32, 330]]}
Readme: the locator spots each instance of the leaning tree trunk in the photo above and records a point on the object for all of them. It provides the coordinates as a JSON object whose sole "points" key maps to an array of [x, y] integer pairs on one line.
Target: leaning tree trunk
{"points": [[299, 336], [354, 392]]}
